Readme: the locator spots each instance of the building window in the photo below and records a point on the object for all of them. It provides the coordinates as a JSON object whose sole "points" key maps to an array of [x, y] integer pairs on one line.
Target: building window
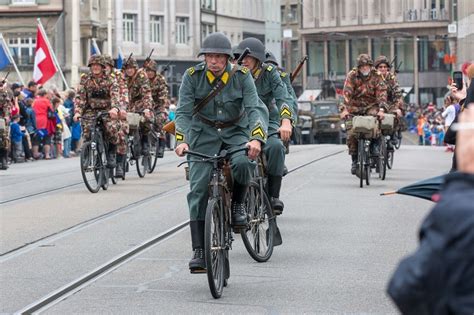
{"points": [[316, 59], [404, 51], [283, 13], [22, 2], [207, 5], [206, 29], [357, 47], [156, 29], [432, 54], [337, 57], [380, 46], [295, 54], [22, 49], [129, 22], [293, 15], [182, 30]]}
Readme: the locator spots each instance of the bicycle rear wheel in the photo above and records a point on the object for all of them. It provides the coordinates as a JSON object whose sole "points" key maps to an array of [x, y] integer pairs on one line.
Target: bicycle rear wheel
{"points": [[389, 159], [91, 167], [215, 247], [154, 147], [258, 236], [382, 158], [361, 161]]}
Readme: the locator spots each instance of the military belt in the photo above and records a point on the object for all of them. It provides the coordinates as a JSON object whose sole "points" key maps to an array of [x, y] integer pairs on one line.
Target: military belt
{"points": [[220, 124]]}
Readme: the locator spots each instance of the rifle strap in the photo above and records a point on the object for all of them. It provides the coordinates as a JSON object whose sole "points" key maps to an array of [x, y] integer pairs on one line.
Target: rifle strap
{"points": [[215, 90]]}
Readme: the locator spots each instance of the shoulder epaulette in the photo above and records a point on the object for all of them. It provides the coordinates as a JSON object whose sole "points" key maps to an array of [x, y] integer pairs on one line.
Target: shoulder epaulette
{"points": [[193, 69], [244, 70], [269, 68], [83, 75], [283, 74]]}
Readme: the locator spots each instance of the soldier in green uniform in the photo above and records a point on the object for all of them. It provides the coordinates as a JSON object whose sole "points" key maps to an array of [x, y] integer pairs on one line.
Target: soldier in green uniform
{"points": [[394, 93], [5, 112], [273, 92], [233, 118], [140, 98], [98, 93], [123, 105], [365, 93]]}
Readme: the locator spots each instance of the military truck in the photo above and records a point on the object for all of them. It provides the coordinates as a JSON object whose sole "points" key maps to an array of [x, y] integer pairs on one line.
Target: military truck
{"points": [[319, 122]]}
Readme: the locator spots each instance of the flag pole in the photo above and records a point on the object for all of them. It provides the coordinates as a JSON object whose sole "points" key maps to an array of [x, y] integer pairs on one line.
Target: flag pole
{"points": [[52, 52], [10, 57]]}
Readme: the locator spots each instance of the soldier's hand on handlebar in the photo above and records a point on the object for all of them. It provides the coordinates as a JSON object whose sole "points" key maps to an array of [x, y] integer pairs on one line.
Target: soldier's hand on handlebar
{"points": [[76, 117], [399, 112], [181, 148], [148, 113], [123, 114], [285, 130], [113, 113], [254, 148], [380, 114], [344, 114]]}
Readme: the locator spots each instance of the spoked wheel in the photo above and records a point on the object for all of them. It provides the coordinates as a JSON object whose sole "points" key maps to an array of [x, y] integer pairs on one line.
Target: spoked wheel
{"points": [[389, 158], [154, 147], [258, 236], [142, 164], [92, 167], [215, 248], [382, 161]]}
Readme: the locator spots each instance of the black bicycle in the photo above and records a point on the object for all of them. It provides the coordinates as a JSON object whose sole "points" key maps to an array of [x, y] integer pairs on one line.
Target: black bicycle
{"points": [[134, 153], [364, 128], [94, 155], [259, 235], [218, 236]]}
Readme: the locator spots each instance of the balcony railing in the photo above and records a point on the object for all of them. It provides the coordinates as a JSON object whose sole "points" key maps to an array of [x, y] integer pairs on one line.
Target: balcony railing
{"points": [[413, 15]]}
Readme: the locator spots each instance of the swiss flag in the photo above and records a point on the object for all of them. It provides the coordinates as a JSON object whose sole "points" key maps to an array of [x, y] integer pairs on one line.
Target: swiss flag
{"points": [[44, 67]]}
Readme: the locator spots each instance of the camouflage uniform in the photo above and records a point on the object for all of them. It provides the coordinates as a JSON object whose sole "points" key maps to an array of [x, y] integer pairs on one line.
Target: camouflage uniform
{"points": [[5, 113], [159, 93], [98, 94], [363, 96]]}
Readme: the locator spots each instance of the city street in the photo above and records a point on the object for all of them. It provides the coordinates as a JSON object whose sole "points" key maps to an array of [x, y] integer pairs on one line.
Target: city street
{"points": [[340, 242]]}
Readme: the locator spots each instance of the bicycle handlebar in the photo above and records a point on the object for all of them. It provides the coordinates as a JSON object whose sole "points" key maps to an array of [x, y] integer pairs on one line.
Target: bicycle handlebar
{"points": [[223, 154]]}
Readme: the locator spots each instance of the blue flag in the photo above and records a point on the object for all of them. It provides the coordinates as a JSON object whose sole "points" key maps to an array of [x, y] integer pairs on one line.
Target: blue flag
{"points": [[4, 60], [94, 48], [119, 59]]}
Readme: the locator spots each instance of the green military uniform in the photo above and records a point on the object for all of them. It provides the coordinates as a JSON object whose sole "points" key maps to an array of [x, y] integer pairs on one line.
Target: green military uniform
{"points": [[5, 114], [273, 92], [363, 96], [237, 106], [285, 78]]}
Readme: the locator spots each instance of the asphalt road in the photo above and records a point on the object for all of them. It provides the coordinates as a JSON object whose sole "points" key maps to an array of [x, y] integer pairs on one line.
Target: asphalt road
{"points": [[340, 243]]}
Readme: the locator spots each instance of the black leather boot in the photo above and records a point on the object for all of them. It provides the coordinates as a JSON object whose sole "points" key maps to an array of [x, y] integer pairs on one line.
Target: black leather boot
{"points": [[145, 146], [161, 148], [354, 164], [111, 156], [274, 186], [119, 169], [239, 215], [197, 264]]}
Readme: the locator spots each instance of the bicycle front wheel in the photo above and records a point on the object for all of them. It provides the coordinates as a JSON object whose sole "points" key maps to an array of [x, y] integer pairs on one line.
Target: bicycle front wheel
{"points": [[389, 158], [91, 166], [382, 159], [361, 156], [215, 247], [258, 236]]}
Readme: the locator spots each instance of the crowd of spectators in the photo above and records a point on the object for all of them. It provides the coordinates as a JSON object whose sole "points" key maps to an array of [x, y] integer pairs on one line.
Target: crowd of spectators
{"points": [[42, 125]]}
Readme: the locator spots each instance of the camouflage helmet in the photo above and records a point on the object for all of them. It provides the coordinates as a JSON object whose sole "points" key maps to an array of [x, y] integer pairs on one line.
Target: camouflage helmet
{"points": [[108, 60], [216, 43], [270, 58], [364, 60], [380, 60], [96, 59], [257, 49], [151, 66], [130, 63]]}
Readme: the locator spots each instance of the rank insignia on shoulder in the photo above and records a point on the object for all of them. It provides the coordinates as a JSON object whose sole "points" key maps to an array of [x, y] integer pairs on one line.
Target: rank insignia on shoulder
{"points": [[258, 131], [244, 70], [283, 74], [179, 136], [191, 70], [269, 68], [285, 111]]}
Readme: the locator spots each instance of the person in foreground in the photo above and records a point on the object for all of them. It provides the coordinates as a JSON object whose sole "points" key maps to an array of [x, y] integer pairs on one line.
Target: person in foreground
{"points": [[439, 277]]}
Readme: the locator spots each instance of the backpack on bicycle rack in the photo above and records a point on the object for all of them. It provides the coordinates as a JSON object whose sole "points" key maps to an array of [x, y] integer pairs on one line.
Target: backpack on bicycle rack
{"points": [[366, 125]]}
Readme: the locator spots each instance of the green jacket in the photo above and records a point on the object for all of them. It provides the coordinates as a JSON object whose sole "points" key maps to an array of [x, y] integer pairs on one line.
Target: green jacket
{"points": [[270, 87], [285, 77], [238, 98]]}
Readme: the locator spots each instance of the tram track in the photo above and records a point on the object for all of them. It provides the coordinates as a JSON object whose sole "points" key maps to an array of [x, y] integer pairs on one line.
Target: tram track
{"points": [[78, 284]]}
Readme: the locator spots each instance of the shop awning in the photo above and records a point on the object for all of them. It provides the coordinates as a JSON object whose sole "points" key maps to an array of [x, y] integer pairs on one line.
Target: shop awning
{"points": [[309, 95]]}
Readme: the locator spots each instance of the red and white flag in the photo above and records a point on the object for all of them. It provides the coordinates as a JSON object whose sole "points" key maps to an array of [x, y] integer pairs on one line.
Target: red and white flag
{"points": [[44, 67]]}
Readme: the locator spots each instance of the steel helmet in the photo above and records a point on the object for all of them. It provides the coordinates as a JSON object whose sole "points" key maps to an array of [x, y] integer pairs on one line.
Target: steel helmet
{"points": [[216, 43], [108, 60], [151, 65], [380, 60], [364, 60], [130, 63], [257, 49], [271, 58], [96, 59]]}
